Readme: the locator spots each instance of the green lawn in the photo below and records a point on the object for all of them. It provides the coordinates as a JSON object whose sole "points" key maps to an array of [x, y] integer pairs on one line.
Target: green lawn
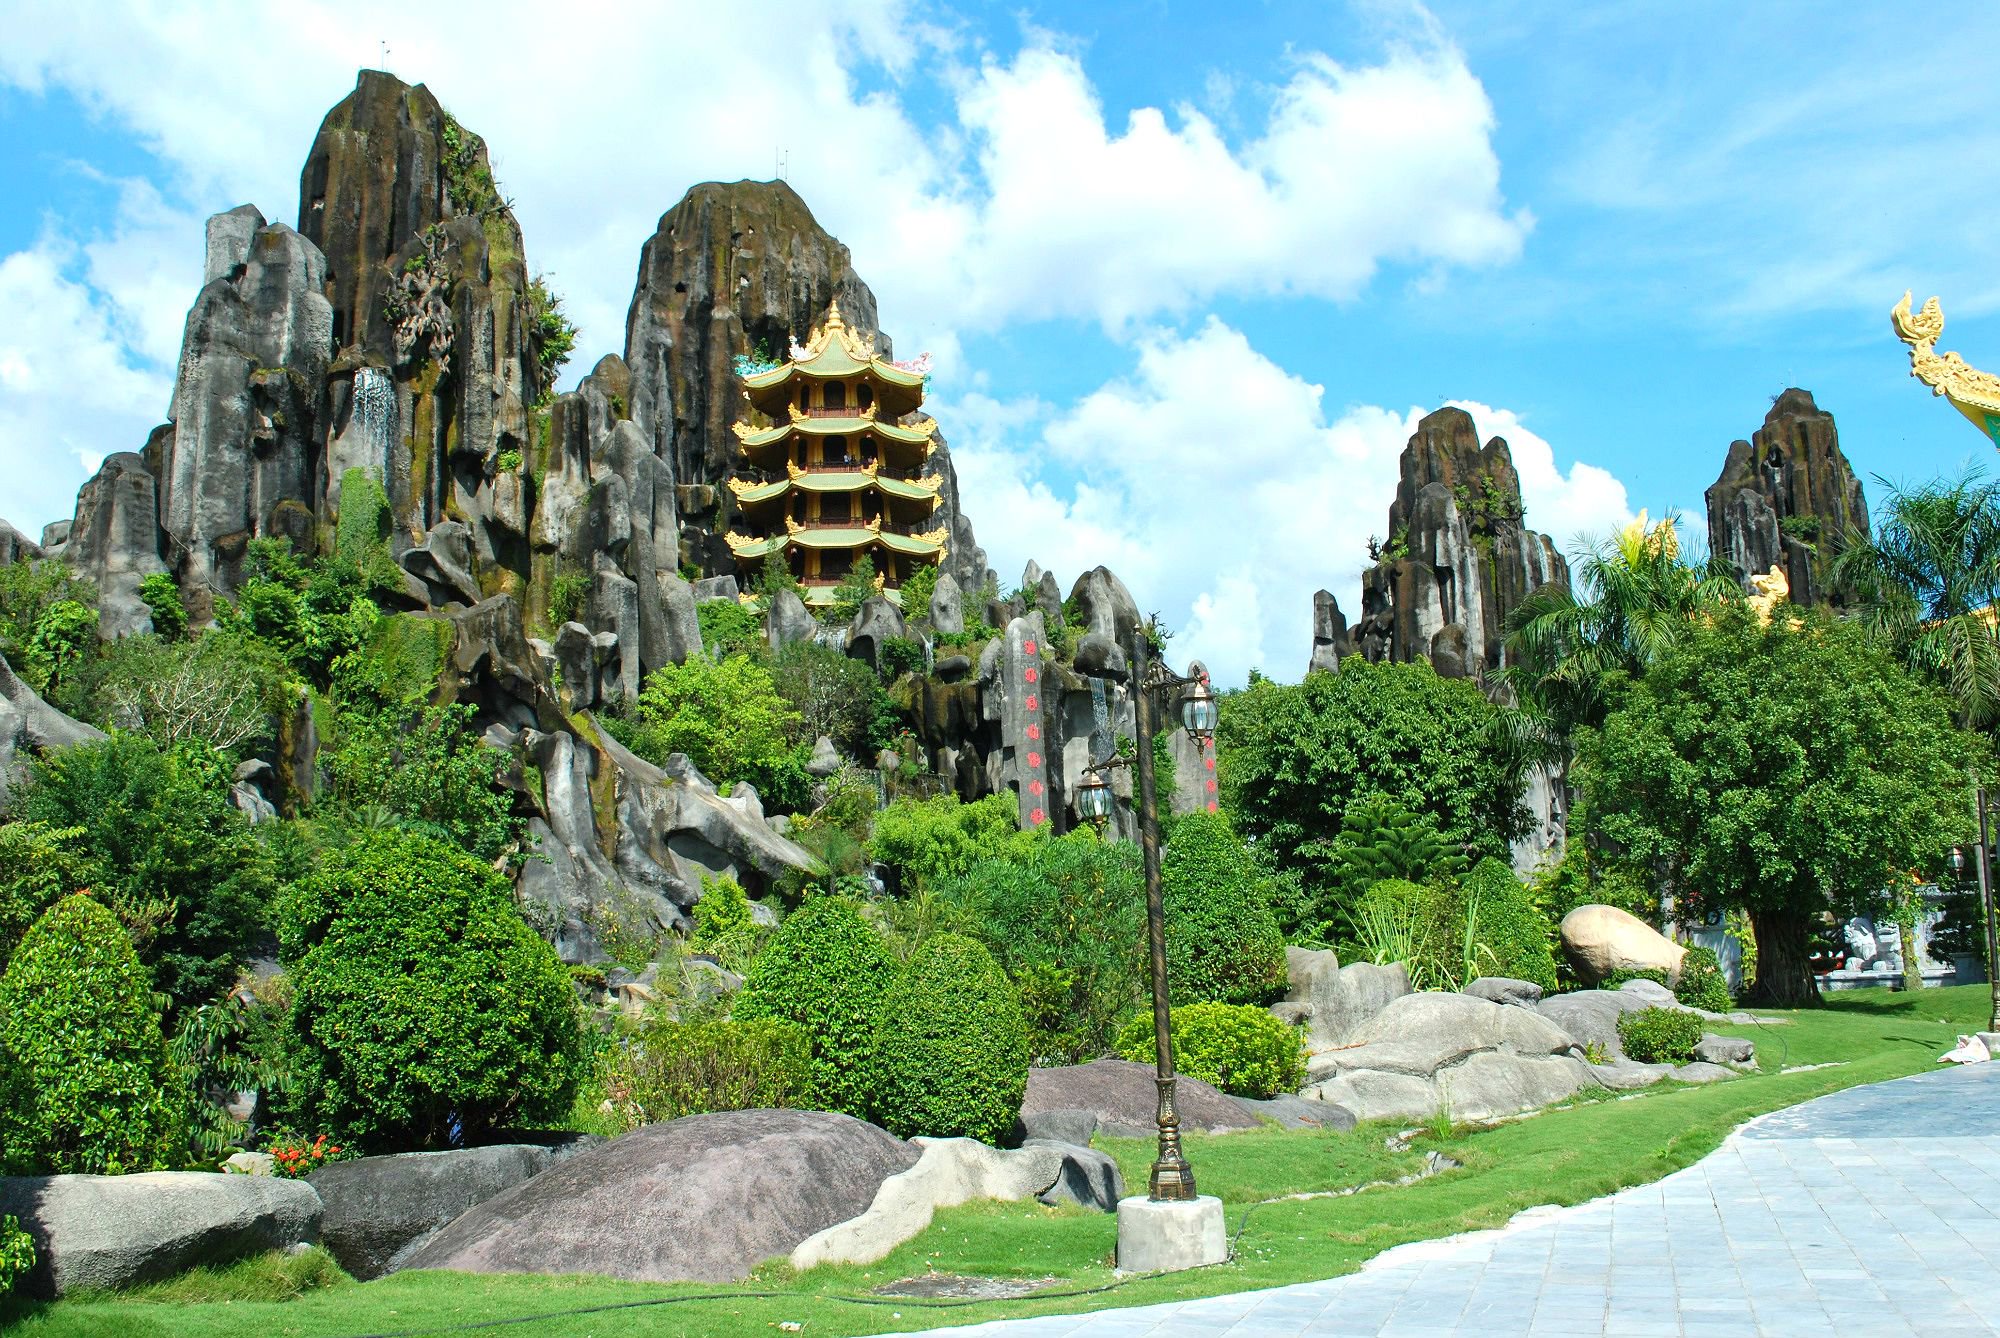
{"points": [[1565, 1156]]}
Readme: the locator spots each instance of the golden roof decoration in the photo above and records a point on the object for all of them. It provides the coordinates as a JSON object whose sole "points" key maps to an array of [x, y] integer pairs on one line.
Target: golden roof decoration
{"points": [[930, 483], [936, 536], [859, 346], [792, 526], [792, 471], [923, 426], [738, 542], [743, 430], [874, 526], [1974, 393], [738, 487]]}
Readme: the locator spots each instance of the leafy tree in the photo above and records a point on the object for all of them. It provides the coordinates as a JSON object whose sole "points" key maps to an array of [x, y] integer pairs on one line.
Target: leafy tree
{"points": [[774, 578], [1567, 652], [90, 1088], [856, 588], [1512, 937], [426, 1013], [952, 1060], [1925, 582], [60, 645], [28, 590], [1223, 944], [1784, 770], [917, 591], [312, 614], [433, 775], [929, 842], [217, 690], [826, 969], [162, 597], [39, 865], [1065, 916], [1379, 838], [834, 696], [725, 716], [163, 846], [729, 628], [1296, 757]]}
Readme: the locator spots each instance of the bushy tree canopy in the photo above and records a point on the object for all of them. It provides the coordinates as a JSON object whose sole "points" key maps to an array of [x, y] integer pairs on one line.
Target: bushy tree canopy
{"points": [[825, 969], [727, 718], [1223, 945], [953, 1057]]}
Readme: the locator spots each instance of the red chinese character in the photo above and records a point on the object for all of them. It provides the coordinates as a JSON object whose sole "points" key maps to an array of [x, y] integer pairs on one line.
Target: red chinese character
{"points": [[1211, 787], [1210, 763], [1036, 817], [1035, 789], [1028, 646], [1211, 806], [1034, 759], [1034, 731], [1031, 673], [1034, 703]]}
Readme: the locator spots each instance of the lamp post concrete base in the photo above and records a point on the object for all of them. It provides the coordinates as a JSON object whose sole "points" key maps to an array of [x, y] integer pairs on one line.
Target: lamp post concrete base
{"points": [[1165, 1237]]}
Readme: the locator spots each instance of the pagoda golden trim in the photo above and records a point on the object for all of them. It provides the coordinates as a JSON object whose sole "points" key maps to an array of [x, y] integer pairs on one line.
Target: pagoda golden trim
{"points": [[830, 466], [1974, 393]]}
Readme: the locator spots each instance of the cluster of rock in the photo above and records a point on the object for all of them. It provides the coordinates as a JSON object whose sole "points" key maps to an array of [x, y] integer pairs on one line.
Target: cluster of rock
{"points": [[1788, 499]]}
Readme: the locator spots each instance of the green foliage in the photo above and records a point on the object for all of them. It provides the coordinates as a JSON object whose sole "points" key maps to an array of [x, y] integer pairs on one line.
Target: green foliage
{"points": [[468, 181], [1660, 1035], [1584, 878], [61, 643], [832, 695], [930, 842], [551, 333], [425, 1012], [397, 663], [826, 969], [162, 596], [1629, 973], [723, 926], [667, 1069], [1399, 921], [17, 1254], [775, 578], [295, 1156], [901, 655], [1296, 758], [311, 614], [429, 774], [28, 591], [569, 595], [1784, 770], [1223, 944], [1379, 838], [1516, 937], [856, 588], [727, 717], [363, 522], [917, 592], [1702, 984], [1065, 916], [218, 690], [1240, 1049], [85, 1083], [160, 843], [235, 1044], [953, 1055], [39, 865], [275, 1275], [729, 628]]}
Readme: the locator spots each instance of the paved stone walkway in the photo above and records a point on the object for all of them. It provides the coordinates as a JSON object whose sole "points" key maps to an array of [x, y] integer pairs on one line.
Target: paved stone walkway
{"points": [[1873, 1212]]}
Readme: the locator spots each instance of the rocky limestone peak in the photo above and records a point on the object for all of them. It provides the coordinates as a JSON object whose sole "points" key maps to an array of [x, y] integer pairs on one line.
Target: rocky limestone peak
{"points": [[735, 269], [1786, 498], [1459, 558]]}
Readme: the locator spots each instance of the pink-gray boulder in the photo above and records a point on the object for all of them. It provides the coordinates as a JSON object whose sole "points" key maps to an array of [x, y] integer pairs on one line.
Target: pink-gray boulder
{"points": [[1119, 1098]]}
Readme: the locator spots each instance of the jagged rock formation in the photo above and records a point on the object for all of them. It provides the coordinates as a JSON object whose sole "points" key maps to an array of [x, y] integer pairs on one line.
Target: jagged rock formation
{"points": [[27, 723], [1787, 498], [1331, 642], [734, 270], [1458, 558]]}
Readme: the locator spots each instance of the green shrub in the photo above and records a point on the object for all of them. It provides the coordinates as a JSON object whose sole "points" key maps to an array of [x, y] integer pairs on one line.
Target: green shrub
{"points": [[1396, 921], [834, 696], [928, 842], [1515, 936], [1223, 943], [727, 718], [1242, 1050], [953, 1056], [1066, 918], [89, 1088], [668, 1069], [723, 925], [162, 596], [901, 655], [39, 865], [826, 969], [425, 1011], [729, 628], [1660, 1035], [856, 588], [569, 596], [17, 1254], [426, 771], [1623, 974], [1702, 984]]}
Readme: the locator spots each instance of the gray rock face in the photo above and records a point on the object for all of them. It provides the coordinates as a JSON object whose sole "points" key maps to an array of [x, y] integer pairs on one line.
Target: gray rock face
{"points": [[1505, 990], [29, 724], [1295, 1112], [1089, 1178], [1100, 657], [55, 534], [876, 622], [1123, 1097], [1732, 1050], [947, 610], [1431, 1052], [103, 1231], [787, 622], [378, 1207], [115, 540], [1331, 643], [825, 760], [1458, 556], [1590, 1017], [1787, 498], [443, 562], [715, 587], [1333, 1001], [701, 1199], [1106, 606], [16, 546], [249, 402]]}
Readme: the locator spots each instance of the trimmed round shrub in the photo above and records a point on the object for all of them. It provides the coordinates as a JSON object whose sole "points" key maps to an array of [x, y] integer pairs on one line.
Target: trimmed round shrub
{"points": [[953, 1060], [425, 1011], [1702, 984], [1223, 943], [1507, 926], [1242, 1050], [826, 969], [1660, 1035], [669, 1069], [86, 1085]]}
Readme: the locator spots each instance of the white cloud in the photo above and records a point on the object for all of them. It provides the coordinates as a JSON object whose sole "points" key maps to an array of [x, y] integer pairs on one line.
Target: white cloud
{"points": [[1224, 522]]}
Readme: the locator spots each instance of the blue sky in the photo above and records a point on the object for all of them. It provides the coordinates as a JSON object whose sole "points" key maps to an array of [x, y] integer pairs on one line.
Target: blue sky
{"points": [[1190, 271]]}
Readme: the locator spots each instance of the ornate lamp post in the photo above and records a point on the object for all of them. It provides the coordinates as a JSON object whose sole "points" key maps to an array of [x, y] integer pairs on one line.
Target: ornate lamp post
{"points": [[1172, 1179]]}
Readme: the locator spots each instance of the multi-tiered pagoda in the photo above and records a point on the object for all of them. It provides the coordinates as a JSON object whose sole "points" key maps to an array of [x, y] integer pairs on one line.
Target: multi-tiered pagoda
{"points": [[832, 466]]}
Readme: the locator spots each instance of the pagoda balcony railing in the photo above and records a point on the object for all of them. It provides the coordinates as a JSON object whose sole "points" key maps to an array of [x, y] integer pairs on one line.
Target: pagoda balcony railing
{"points": [[858, 522], [837, 411], [850, 467], [912, 529]]}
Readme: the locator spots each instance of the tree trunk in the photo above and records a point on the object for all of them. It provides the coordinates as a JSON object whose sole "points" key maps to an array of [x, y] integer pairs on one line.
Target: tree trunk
{"points": [[1913, 965], [1784, 971]]}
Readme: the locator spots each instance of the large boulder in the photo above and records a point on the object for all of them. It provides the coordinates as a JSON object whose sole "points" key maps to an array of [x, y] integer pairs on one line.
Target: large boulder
{"points": [[1590, 1017], [94, 1232], [29, 724], [1106, 607], [701, 1199], [875, 622], [1599, 940], [1505, 990], [378, 1207], [1468, 1057], [16, 546], [1124, 1100], [1332, 1001]]}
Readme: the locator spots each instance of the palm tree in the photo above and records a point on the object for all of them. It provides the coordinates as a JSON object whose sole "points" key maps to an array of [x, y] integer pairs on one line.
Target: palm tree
{"points": [[1927, 582], [1566, 654]]}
